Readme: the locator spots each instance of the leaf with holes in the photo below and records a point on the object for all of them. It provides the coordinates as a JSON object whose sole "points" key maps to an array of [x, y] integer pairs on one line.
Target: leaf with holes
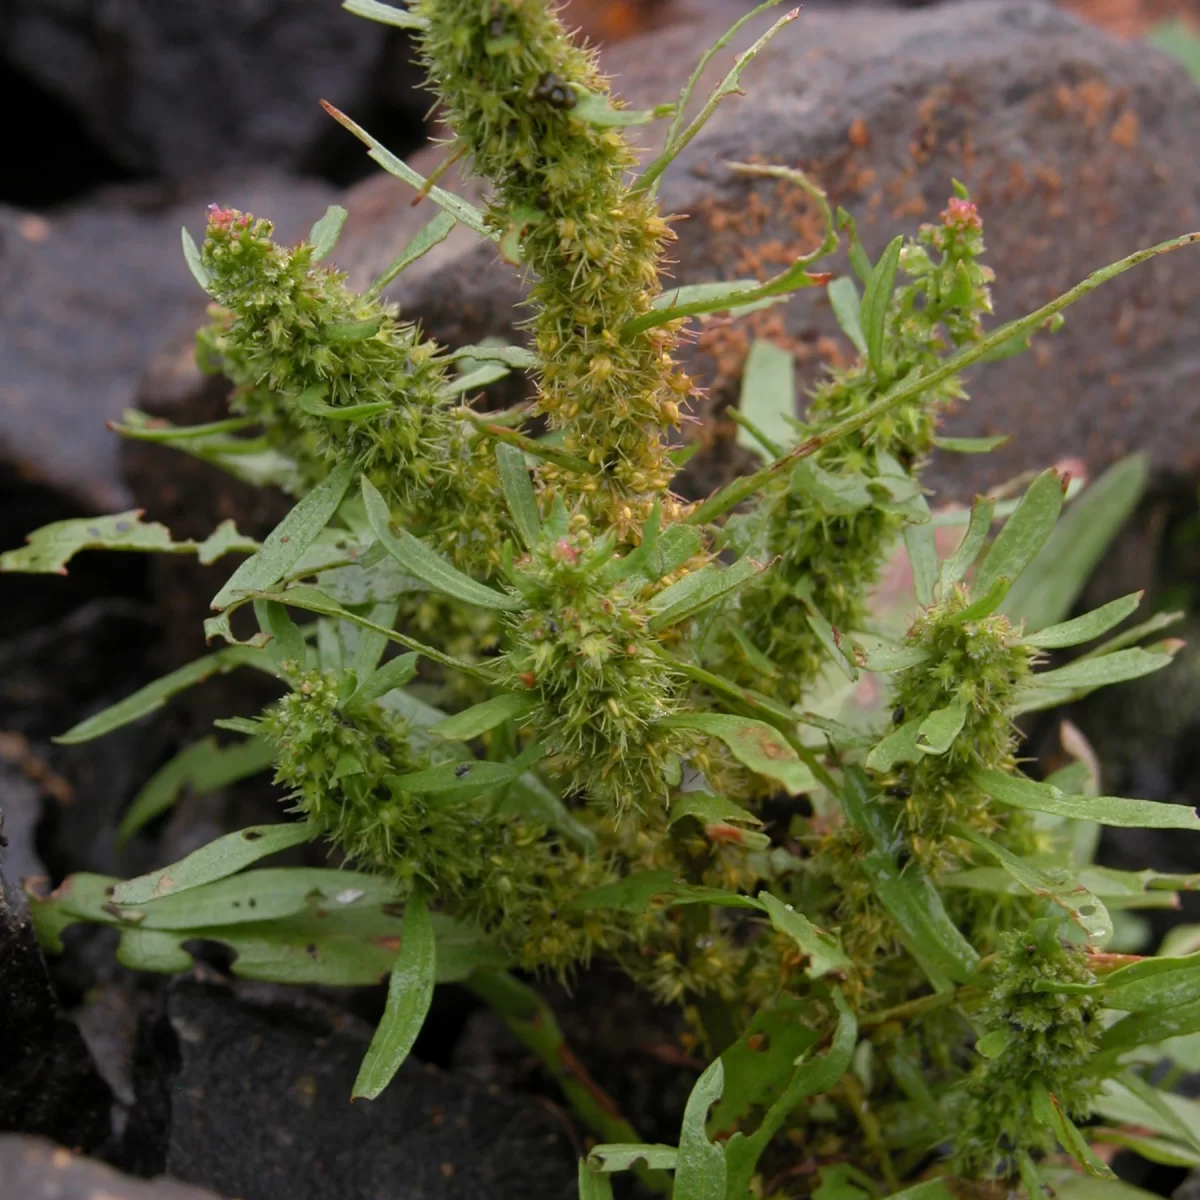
{"points": [[754, 744]]}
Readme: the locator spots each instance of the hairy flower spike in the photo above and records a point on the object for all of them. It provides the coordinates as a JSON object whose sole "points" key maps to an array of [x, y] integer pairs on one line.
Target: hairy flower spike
{"points": [[301, 346], [592, 239]]}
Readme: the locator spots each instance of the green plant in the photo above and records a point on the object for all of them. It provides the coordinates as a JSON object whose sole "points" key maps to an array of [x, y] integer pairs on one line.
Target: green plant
{"points": [[611, 680]]}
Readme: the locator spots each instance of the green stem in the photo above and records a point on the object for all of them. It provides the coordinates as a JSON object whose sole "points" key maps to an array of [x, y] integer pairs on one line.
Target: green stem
{"points": [[741, 489], [533, 1023]]}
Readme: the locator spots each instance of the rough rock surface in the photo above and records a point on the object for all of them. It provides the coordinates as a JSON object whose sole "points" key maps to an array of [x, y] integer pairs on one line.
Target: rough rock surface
{"points": [[33, 1169], [87, 297], [173, 90], [48, 1083], [1078, 148], [248, 1092]]}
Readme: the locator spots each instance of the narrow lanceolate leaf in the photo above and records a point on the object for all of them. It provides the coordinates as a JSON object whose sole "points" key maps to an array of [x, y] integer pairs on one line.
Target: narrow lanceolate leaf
{"points": [[470, 778], [418, 560], [311, 402], [1083, 629], [634, 894], [1048, 1112], [936, 733], [847, 307], [324, 234], [1024, 533], [219, 858], [385, 14], [1049, 589], [698, 590], [1108, 669], [391, 675], [900, 746], [518, 491], [811, 1078], [768, 399], [619, 1157], [1017, 791], [430, 235], [472, 722], [597, 109], [478, 377], [289, 539], [1084, 909], [971, 445], [203, 767], [921, 544], [1150, 1028], [709, 809], [700, 1166], [753, 743], [877, 654], [955, 568], [410, 992], [191, 255], [593, 1185], [878, 299], [823, 951], [456, 206], [154, 695]]}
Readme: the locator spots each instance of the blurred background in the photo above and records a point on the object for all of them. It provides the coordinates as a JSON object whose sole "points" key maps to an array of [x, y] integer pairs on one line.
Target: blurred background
{"points": [[1076, 126]]}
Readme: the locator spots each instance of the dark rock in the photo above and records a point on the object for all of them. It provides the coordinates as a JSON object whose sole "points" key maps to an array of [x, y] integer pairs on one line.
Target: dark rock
{"points": [[176, 90], [1078, 148], [48, 1083], [87, 297], [247, 1091], [33, 1169]]}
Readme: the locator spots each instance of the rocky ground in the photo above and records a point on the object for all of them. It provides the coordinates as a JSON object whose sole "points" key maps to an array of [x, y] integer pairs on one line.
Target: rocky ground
{"points": [[1078, 146]]}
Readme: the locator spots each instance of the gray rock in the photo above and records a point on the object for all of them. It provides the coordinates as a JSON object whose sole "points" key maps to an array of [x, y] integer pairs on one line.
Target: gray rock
{"points": [[48, 1083], [87, 297], [177, 90], [34, 1169], [1077, 147], [247, 1091]]}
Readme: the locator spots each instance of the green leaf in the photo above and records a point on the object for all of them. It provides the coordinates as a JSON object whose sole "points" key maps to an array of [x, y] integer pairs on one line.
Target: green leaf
{"points": [[203, 767], [286, 644], [709, 809], [410, 992], [877, 654], [930, 1189], [634, 893], [224, 856], [592, 1184], [386, 14], [1084, 629], [768, 399], [428, 236], [921, 544], [812, 1078], [289, 539], [755, 744], [456, 206], [839, 495], [697, 590], [936, 733], [310, 402], [1137, 633], [471, 778], [859, 261], [1180, 40], [393, 674], [324, 234], [518, 491], [1047, 1111], [1024, 533], [418, 560], [900, 746], [1017, 791], [154, 695], [50, 548], [1169, 1120], [191, 254], [534, 801], [1046, 593], [700, 1166], [616, 1157], [479, 377], [1070, 1185], [971, 445], [1112, 668], [830, 638], [823, 951], [1151, 1027], [847, 307], [477, 720], [597, 109], [1084, 909], [877, 300]]}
